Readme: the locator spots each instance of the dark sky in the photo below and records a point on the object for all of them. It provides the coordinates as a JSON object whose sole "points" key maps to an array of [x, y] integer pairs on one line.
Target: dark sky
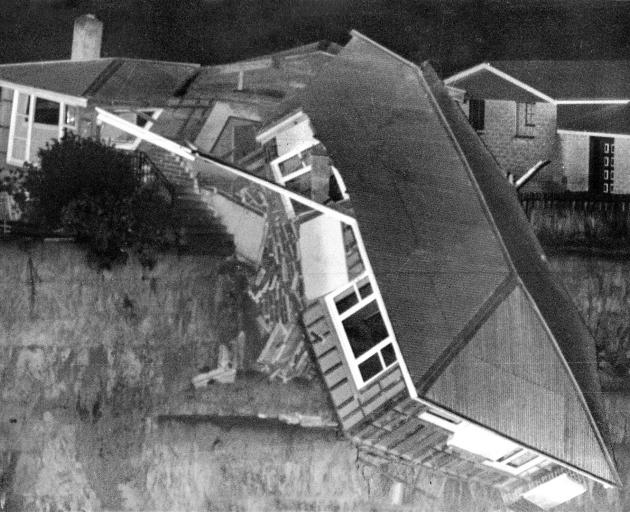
{"points": [[451, 33]]}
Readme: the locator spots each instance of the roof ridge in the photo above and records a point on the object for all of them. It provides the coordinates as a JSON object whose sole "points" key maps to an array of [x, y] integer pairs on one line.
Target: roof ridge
{"points": [[461, 339]]}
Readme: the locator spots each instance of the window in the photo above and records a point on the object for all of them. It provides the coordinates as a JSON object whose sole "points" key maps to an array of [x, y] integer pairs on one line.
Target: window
{"points": [[477, 114], [46, 112], [525, 119], [293, 171], [358, 314], [35, 121]]}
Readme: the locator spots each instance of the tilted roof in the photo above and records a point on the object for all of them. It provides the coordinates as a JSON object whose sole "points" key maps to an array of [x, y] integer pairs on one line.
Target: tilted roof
{"points": [[110, 80], [455, 258], [613, 119], [557, 79]]}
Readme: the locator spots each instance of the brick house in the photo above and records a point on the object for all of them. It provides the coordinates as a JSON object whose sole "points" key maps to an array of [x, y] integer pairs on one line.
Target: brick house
{"points": [[426, 299], [569, 112]]}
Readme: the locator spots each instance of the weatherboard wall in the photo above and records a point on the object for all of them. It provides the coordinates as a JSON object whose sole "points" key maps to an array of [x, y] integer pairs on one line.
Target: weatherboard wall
{"points": [[352, 405]]}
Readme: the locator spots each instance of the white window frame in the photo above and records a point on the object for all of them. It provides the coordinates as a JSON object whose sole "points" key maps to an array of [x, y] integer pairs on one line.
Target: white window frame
{"points": [[282, 180], [30, 119], [338, 318], [504, 464], [132, 146]]}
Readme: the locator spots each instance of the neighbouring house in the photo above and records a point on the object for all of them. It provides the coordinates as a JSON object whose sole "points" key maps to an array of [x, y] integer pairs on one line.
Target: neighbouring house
{"points": [[428, 305], [573, 113]]}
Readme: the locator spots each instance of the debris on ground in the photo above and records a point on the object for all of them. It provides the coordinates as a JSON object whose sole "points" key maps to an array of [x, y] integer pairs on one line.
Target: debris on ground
{"points": [[285, 355], [224, 373]]}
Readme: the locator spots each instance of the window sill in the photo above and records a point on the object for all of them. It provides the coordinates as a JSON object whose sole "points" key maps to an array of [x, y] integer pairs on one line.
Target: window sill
{"points": [[525, 137]]}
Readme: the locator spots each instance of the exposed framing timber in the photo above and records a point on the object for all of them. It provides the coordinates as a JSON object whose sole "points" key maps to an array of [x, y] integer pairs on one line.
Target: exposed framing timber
{"points": [[143, 134]]}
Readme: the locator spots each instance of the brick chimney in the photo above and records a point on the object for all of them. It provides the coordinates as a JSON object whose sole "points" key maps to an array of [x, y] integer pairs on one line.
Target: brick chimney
{"points": [[87, 37]]}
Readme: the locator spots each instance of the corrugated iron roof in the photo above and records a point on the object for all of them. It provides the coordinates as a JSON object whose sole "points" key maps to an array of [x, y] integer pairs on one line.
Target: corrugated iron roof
{"points": [[103, 80], [445, 233], [613, 119]]}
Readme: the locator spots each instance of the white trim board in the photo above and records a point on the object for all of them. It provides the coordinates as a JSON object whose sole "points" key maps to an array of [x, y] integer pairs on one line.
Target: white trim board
{"points": [[486, 66], [142, 133], [75, 101], [594, 134]]}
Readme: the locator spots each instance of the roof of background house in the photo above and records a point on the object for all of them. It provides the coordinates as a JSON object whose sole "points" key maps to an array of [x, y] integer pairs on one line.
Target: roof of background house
{"points": [[613, 119], [558, 79], [110, 80], [463, 277]]}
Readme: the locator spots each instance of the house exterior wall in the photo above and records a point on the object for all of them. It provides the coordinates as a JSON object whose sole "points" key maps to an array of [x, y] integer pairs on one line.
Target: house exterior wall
{"points": [[6, 102], [575, 157], [574, 150], [516, 154]]}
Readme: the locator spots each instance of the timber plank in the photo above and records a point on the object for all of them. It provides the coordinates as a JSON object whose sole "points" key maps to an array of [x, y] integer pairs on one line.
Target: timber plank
{"points": [[331, 359], [324, 345], [406, 430], [369, 393], [345, 409], [341, 393], [390, 420], [390, 378], [369, 433], [349, 421], [421, 441], [335, 376], [430, 442]]}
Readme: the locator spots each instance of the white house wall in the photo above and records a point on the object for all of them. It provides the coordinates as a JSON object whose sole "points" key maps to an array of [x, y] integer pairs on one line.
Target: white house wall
{"points": [[6, 102], [296, 135], [323, 256], [575, 153], [574, 149], [247, 226]]}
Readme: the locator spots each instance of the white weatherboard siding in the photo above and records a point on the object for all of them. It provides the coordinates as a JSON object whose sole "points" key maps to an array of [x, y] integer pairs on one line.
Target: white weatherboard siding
{"points": [[247, 226], [323, 256], [299, 134]]}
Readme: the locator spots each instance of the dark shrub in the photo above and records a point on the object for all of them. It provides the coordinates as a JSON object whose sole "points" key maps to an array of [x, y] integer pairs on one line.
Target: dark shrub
{"points": [[99, 194]]}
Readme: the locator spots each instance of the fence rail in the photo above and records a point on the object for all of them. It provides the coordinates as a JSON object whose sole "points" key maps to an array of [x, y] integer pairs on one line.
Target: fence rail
{"points": [[579, 218], [151, 173]]}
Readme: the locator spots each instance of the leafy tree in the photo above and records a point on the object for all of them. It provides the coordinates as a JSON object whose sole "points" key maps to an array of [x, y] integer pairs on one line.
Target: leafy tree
{"points": [[101, 196]]}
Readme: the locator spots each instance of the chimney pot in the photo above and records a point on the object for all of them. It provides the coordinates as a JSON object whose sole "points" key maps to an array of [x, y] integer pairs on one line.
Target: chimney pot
{"points": [[87, 38]]}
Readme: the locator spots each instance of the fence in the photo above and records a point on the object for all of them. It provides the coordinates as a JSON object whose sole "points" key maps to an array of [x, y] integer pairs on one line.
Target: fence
{"points": [[152, 174], [579, 218]]}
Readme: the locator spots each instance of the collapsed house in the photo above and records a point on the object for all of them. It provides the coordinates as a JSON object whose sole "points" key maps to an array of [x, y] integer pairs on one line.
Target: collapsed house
{"points": [[394, 253]]}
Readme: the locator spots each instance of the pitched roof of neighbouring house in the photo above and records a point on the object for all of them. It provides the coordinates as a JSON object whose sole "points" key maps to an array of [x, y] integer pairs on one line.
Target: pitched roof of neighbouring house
{"points": [[556, 79], [457, 263], [614, 119], [110, 80]]}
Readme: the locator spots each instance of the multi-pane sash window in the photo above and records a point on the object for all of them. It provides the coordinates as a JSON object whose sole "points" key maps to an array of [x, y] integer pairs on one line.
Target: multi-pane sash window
{"points": [[36, 120], [358, 314]]}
